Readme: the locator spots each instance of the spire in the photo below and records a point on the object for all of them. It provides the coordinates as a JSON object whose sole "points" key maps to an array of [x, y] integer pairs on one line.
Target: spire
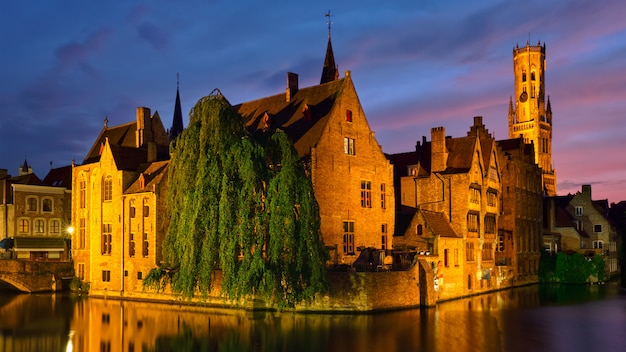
{"points": [[511, 111], [177, 121], [329, 72]]}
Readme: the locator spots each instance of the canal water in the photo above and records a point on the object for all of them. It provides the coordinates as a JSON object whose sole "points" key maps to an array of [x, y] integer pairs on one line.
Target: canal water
{"points": [[532, 318]]}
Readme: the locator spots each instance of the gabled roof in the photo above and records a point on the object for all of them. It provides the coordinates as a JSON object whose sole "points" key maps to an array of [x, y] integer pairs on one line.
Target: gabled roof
{"points": [[303, 117], [152, 174], [128, 158], [28, 179], [122, 135], [59, 177], [439, 224]]}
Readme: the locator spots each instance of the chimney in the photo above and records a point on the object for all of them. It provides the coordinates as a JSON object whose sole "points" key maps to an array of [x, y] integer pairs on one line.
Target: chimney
{"points": [[143, 124], [587, 191], [439, 152], [478, 121], [292, 85]]}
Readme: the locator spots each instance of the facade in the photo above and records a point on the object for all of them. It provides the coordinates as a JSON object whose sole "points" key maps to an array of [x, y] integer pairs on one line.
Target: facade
{"points": [[458, 178], [584, 226], [521, 222], [530, 115], [35, 214], [118, 205], [352, 178]]}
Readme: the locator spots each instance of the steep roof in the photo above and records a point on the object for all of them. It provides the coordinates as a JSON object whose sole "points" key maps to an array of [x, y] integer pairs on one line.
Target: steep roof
{"points": [[152, 174], [460, 154], [122, 135], [329, 71], [59, 177], [177, 120], [303, 117]]}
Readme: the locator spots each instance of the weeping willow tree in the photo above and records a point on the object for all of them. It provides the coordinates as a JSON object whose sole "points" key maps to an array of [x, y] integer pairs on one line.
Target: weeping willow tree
{"points": [[242, 204]]}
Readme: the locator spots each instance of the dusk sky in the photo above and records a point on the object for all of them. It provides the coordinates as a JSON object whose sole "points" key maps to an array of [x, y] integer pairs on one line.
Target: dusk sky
{"points": [[66, 65]]}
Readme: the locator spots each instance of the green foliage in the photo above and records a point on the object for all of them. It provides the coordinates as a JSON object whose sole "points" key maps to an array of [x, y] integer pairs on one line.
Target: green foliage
{"points": [[571, 268], [77, 285], [243, 204]]}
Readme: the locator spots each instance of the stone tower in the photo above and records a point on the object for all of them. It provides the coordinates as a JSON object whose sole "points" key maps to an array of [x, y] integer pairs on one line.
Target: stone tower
{"points": [[530, 115]]}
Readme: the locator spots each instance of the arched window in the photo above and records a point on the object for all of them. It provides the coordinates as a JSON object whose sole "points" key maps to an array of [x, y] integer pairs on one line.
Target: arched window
{"points": [[82, 191], [24, 226], [31, 204], [523, 75], [40, 226], [532, 75], [55, 226], [46, 205], [107, 188]]}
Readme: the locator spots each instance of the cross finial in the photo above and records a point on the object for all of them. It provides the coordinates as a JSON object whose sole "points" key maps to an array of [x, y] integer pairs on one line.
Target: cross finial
{"points": [[329, 22]]}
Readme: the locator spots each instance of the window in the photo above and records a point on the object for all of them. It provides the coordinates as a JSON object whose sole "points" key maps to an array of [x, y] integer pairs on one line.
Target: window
{"points": [[532, 75], [490, 224], [500, 247], [472, 222], [492, 199], [383, 239], [469, 282], [107, 188], [46, 205], [106, 275], [419, 230], [469, 252], [24, 226], [81, 233], [31, 204], [523, 75], [349, 115], [487, 251], [146, 210], [579, 225], [55, 226], [81, 271], [139, 275], [40, 226], [366, 194], [383, 196], [145, 245], [131, 245], [106, 239], [445, 258], [348, 237], [597, 228], [348, 146], [579, 211], [82, 190], [474, 196], [598, 244], [132, 209]]}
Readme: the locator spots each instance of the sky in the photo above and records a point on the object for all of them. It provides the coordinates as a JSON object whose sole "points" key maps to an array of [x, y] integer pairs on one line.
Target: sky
{"points": [[67, 65]]}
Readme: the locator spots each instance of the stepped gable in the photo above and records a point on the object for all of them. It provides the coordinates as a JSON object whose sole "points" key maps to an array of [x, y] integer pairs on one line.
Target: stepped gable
{"points": [[303, 116]]}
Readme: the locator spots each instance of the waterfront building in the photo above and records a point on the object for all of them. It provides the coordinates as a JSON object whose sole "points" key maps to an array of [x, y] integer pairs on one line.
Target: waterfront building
{"points": [[530, 113], [458, 179], [118, 205], [583, 225], [35, 214], [352, 178], [521, 221]]}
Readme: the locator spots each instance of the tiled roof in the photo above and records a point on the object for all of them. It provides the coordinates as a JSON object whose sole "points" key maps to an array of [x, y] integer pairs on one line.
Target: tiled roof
{"points": [[122, 135], [28, 179], [439, 224], [153, 174], [303, 128], [59, 177]]}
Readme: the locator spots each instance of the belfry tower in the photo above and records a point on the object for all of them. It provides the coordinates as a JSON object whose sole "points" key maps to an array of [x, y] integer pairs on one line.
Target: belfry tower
{"points": [[530, 115]]}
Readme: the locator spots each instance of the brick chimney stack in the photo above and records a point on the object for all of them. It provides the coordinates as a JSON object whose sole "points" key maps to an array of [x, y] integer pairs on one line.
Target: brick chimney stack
{"points": [[439, 151], [144, 127]]}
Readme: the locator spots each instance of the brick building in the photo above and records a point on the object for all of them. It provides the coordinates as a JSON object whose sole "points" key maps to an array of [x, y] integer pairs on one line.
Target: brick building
{"points": [[118, 205]]}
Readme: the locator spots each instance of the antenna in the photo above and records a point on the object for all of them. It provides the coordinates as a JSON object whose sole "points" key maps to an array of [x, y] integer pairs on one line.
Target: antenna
{"points": [[329, 22]]}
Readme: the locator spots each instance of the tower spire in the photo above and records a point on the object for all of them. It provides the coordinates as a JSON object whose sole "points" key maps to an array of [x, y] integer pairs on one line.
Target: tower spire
{"points": [[177, 121], [329, 72]]}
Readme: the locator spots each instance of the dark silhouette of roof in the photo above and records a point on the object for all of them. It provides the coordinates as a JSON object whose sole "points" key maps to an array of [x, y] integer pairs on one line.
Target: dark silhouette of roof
{"points": [[59, 177], [152, 174], [28, 179], [177, 120]]}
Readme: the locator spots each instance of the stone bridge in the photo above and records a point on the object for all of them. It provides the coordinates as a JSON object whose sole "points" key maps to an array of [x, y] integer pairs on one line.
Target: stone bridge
{"points": [[36, 276]]}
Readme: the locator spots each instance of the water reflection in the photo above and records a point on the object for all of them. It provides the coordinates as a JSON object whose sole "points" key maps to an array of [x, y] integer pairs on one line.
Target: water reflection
{"points": [[533, 318]]}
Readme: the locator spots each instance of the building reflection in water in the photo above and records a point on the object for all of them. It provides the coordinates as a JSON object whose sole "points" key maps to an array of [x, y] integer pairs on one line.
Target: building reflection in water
{"points": [[523, 319]]}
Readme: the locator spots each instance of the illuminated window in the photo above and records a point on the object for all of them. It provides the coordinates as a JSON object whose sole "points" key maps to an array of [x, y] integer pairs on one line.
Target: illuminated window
{"points": [[492, 199], [472, 222], [40, 226], [598, 244], [55, 226], [366, 194], [81, 233], [348, 237], [349, 115], [474, 196], [579, 211], [24, 226], [383, 196], [348, 146], [82, 190], [383, 239]]}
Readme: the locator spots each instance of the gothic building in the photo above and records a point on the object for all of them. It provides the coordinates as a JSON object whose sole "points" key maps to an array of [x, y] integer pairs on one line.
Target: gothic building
{"points": [[530, 115]]}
